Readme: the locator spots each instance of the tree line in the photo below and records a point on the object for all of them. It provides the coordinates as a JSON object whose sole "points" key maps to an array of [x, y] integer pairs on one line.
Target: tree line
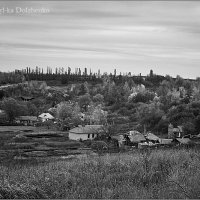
{"points": [[66, 76]]}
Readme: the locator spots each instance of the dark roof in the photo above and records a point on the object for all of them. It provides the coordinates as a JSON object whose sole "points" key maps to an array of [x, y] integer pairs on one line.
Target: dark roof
{"points": [[25, 118], [136, 136], [88, 129], [151, 136]]}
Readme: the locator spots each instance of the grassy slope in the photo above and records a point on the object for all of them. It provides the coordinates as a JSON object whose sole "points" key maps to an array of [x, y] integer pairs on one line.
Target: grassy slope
{"points": [[155, 174], [8, 132]]}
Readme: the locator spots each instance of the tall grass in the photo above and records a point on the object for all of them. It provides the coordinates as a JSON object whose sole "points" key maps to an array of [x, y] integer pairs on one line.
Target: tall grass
{"points": [[149, 174]]}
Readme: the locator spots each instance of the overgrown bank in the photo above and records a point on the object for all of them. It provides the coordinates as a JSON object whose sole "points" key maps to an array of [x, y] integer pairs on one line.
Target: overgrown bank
{"points": [[156, 174]]}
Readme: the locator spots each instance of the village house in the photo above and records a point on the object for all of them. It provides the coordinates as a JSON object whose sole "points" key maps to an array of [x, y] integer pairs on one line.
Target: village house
{"points": [[175, 132], [26, 120], [87, 132], [131, 138], [45, 117]]}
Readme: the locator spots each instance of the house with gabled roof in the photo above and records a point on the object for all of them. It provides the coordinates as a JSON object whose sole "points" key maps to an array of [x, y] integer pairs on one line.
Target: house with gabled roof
{"points": [[175, 132], [87, 132], [45, 117]]}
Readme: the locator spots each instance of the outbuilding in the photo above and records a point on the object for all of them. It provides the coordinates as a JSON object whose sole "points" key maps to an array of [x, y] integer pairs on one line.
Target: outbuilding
{"points": [[27, 120], [45, 117], [153, 138], [165, 142]]}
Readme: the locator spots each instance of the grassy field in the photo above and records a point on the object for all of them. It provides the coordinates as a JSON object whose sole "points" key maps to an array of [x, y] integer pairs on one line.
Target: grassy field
{"points": [[17, 128], [8, 132], [154, 174]]}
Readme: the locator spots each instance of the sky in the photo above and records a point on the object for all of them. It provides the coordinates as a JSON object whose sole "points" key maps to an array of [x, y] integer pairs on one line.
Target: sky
{"points": [[129, 36]]}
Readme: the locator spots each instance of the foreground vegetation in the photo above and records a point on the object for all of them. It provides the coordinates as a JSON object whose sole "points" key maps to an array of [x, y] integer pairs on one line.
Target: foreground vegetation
{"points": [[157, 174]]}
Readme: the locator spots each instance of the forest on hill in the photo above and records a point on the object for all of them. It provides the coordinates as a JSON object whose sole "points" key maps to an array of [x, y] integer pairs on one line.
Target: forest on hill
{"points": [[123, 101]]}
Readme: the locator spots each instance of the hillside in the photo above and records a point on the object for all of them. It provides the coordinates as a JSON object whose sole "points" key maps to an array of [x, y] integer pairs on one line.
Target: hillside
{"points": [[148, 103]]}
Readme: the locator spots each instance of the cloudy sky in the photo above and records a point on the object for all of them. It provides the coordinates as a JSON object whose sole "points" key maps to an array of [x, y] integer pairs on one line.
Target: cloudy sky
{"points": [[130, 36]]}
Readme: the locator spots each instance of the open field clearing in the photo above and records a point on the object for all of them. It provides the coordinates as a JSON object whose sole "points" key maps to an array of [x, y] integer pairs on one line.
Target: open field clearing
{"points": [[173, 174], [8, 132], [24, 143], [17, 128]]}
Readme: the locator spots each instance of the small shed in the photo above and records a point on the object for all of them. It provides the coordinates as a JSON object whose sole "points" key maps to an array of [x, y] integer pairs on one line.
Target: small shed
{"points": [[152, 137], [27, 120], [87, 132], [45, 117], [163, 141]]}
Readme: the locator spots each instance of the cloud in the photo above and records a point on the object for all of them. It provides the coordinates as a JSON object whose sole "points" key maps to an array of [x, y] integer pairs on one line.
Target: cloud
{"points": [[104, 33]]}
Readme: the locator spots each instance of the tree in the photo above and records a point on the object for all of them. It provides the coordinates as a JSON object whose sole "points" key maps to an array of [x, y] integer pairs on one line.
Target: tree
{"points": [[32, 109], [2, 94], [196, 93], [48, 123], [98, 98], [96, 115], [69, 114], [179, 81], [64, 110], [149, 115], [84, 89], [109, 90], [144, 97], [180, 114], [126, 90], [11, 107], [197, 124], [151, 73], [189, 128], [84, 101]]}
